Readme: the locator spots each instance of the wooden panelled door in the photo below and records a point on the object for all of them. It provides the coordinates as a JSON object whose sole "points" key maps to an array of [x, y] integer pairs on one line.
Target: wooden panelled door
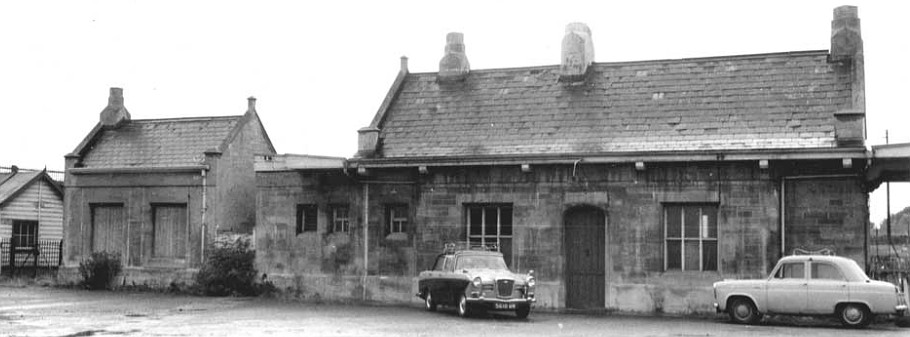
{"points": [[108, 228], [585, 257], [170, 231]]}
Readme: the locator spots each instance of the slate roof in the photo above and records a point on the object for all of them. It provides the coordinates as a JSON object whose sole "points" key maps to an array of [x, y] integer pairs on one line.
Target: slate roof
{"points": [[748, 102], [159, 142]]}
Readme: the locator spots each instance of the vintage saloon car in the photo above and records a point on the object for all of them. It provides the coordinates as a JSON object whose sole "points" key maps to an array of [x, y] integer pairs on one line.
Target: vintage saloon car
{"points": [[810, 285], [475, 278]]}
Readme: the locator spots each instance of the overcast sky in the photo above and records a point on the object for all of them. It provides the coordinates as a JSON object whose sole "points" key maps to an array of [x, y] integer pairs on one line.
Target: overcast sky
{"points": [[320, 69]]}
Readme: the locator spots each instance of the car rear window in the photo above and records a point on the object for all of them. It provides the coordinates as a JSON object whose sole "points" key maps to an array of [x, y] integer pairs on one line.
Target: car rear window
{"points": [[825, 271]]}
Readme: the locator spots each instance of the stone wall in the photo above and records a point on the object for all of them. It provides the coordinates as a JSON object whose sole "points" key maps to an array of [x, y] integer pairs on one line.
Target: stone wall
{"points": [[748, 220]]}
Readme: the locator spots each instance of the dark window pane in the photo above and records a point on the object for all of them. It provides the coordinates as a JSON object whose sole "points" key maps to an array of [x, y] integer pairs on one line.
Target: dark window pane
{"points": [[674, 256], [506, 221], [491, 220], [309, 218], [709, 255], [674, 221], [692, 255], [691, 221], [475, 219]]}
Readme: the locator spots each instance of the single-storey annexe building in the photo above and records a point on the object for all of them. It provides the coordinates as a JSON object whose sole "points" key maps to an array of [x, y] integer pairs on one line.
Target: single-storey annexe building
{"points": [[156, 191]]}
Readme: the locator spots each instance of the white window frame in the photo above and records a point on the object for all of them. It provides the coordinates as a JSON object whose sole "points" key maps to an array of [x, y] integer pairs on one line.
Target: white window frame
{"points": [[702, 236], [341, 219]]}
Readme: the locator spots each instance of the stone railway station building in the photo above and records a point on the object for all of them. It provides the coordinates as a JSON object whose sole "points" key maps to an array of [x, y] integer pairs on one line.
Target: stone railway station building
{"points": [[627, 186]]}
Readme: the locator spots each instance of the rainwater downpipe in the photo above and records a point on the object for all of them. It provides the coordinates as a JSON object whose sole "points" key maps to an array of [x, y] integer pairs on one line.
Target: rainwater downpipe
{"points": [[783, 202], [366, 238], [204, 209]]}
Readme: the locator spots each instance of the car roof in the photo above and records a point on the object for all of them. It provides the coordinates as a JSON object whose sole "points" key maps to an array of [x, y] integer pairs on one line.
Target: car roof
{"points": [[473, 252], [826, 258]]}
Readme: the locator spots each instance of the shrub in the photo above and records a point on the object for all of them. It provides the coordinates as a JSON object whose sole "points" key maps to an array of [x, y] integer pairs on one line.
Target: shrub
{"points": [[99, 271], [228, 269]]}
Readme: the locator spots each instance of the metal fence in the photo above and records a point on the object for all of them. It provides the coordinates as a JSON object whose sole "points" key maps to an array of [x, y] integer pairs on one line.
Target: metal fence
{"points": [[56, 175], [44, 256]]}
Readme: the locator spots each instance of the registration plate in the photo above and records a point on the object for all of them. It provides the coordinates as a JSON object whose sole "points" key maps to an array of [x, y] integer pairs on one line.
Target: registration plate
{"points": [[504, 306]]}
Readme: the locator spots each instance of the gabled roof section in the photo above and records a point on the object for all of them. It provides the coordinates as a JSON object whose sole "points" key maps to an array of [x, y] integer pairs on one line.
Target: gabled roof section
{"points": [[156, 142], [19, 181], [730, 103]]}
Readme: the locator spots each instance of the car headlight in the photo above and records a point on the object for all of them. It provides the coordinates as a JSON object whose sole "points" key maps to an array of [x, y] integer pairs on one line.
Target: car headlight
{"points": [[477, 282], [531, 281]]}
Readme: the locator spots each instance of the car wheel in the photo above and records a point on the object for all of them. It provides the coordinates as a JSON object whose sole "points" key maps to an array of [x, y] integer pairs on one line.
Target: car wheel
{"points": [[464, 310], [742, 311], [854, 315], [522, 311], [428, 300]]}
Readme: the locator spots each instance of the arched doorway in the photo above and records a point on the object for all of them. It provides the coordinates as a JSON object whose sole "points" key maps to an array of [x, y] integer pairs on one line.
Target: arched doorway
{"points": [[585, 250]]}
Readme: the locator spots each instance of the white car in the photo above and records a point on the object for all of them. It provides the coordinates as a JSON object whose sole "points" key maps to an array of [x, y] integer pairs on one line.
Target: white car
{"points": [[810, 285]]}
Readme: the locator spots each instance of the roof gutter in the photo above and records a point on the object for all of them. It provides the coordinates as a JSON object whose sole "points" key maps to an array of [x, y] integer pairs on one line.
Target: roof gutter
{"points": [[618, 157], [138, 169]]}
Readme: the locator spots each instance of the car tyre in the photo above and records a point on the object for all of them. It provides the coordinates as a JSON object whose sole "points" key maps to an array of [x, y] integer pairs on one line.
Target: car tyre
{"points": [[743, 311], [430, 303], [854, 315], [464, 309], [522, 311]]}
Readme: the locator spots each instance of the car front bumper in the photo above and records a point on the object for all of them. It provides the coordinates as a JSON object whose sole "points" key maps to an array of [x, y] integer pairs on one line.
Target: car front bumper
{"points": [[499, 303]]}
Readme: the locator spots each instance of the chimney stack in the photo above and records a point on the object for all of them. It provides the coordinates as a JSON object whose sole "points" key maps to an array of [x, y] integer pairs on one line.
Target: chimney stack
{"points": [[115, 113], [454, 65], [251, 104], [846, 40], [577, 52]]}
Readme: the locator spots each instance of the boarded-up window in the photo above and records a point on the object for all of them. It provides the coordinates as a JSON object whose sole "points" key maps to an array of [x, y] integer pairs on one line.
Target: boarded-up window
{"points": [[169, 222], [108, 224], [306, 218]]}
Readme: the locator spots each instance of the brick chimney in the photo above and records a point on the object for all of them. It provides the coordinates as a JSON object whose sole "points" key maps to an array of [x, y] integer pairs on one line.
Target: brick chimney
{"points": [[846, 40], [847, 54], [115, 113], [577, 52], [454, 65]]}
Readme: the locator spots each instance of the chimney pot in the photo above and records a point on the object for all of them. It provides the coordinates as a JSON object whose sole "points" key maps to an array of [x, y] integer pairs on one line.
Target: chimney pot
{"points": [[115, 113], [454, 64], [577, 52]]}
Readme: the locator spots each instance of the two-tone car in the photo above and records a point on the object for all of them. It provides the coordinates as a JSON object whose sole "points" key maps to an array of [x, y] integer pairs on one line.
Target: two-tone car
{"points": [[810, 285], [474, 279]]}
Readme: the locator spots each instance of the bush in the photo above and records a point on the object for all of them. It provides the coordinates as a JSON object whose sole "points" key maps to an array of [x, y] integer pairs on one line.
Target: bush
{"points": [[99, 271], [228, 270]]}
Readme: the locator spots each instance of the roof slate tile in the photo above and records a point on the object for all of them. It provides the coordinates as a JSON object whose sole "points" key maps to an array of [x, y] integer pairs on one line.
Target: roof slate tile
{"points": [[746, 102], [159, 142]]}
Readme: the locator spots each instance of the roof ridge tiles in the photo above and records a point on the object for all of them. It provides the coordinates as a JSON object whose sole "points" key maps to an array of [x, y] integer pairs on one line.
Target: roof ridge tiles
{"points": [[187, 119], [814, 52]]}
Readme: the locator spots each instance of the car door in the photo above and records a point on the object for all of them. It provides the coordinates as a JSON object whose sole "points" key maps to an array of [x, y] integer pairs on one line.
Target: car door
{"points": [[447, 281], [432, 280], [787, 289], [827, 287]]}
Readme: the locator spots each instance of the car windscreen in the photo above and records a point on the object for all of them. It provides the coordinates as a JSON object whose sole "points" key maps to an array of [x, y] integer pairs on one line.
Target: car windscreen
{"points": [[481, 262]]}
